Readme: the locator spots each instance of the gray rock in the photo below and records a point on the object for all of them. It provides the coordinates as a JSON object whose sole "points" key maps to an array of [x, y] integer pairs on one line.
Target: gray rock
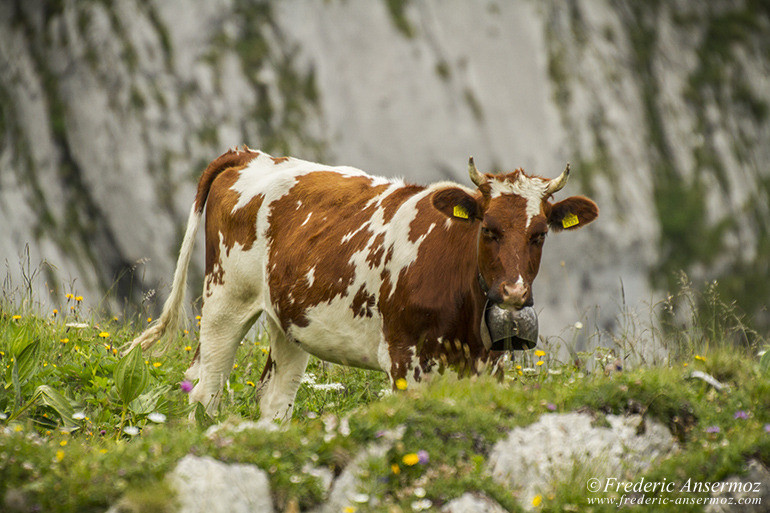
{"points": [[561, 446], [205, 485], [473, 503], [346, 489], [749, 493]]}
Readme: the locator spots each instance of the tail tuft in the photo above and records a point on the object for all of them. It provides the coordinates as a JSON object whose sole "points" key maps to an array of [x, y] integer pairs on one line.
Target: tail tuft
{"points": [[174, 305]]}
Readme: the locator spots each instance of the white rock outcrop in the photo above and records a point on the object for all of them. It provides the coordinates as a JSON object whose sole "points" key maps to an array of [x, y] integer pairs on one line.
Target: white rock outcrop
{"points": [[206, 485], [574, 446]]}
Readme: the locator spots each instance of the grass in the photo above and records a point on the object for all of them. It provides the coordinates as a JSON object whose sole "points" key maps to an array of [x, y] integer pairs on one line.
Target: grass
{"points": [[81, 427]]}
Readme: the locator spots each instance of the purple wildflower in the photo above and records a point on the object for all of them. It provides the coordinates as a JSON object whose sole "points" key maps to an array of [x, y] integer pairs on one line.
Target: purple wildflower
{"points": [[767, 428], [423, 457], [186, 386], [551, 406], [713, 429], [741, 414]]}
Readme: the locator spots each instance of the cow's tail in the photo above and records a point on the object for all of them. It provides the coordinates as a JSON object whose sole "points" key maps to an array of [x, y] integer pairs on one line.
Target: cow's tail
{"points": [[173, 308]]}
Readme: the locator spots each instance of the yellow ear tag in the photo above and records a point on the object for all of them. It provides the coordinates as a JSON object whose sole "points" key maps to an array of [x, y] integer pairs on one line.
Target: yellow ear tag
{"points": [[570, 220], [459, 211]]}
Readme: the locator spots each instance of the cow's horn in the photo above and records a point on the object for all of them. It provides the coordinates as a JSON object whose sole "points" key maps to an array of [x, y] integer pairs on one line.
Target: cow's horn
{"points": [[558, 183], [476, 177]]}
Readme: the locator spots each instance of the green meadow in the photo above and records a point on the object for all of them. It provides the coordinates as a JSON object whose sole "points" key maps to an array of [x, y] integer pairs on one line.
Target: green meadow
{"points": [[83, 425]]}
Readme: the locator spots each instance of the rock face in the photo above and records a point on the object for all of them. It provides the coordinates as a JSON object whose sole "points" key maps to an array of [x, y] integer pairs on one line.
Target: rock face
{"points": [[532, 459], [109, 112]]}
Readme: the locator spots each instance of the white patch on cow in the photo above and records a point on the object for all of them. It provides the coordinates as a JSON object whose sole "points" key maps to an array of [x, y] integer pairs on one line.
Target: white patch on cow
{"points": [[306, 219], [310, 277], [348, 236], [336, 335], [383, 356], [397, 236], [531, 189]]}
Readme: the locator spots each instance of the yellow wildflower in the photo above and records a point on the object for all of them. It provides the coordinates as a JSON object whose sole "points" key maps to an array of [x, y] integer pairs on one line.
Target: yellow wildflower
{"points": [[68, 296], [410, 459], [395, 469], [540, 353], [537, 500], [104, 334], [55, 311], [188, 348], [541, 362], [251, 383], [149, 320], [700, 358], [63, 443], [156, 364], [16, 317], [78, 298], [59, 455], [401, 384]]}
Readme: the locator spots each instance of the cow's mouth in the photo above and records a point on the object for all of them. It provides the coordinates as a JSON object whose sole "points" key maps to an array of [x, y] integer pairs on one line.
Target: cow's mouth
{"points": [[507, 330]]}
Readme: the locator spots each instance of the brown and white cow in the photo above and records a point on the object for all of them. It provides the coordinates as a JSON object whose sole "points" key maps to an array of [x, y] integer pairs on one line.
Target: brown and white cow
{"points": [[357, 269]]}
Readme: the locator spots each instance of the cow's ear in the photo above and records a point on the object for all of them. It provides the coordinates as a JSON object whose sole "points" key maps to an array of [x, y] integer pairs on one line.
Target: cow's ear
{"points": [[571, 213], [456, 203]]}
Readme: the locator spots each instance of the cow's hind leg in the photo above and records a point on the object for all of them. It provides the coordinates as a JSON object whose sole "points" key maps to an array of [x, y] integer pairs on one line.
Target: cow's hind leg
{"points": [[281, 378], [223, 326]]}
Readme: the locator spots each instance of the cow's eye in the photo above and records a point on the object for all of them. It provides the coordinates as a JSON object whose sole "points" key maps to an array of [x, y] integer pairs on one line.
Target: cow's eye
{"points": [[488, 233], [538, 238]]}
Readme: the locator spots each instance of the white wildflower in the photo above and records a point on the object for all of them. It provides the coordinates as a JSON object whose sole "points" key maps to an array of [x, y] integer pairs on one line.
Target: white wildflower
{"points": [[422, 505], [131, 430], [157, 417]]}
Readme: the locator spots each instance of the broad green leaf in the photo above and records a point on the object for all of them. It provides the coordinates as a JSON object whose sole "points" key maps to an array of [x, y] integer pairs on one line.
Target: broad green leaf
{"points": [[59, 403], [148, 401], [27, 361], [131, 376], [56, 401]]}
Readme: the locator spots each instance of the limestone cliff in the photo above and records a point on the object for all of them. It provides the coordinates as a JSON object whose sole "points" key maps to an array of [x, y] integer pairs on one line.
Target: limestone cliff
{"points": [[109, 110]]}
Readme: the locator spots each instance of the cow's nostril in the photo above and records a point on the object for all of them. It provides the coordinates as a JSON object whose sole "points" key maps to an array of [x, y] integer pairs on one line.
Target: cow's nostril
{"points": [[515, 294]]}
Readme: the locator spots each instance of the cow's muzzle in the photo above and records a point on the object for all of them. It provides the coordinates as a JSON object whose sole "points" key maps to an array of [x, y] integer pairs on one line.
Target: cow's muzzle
{"points": [[505, 329]]}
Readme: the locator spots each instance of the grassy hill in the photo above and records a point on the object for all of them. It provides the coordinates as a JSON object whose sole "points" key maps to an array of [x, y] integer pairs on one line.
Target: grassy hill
{"points": [[81, 427]]}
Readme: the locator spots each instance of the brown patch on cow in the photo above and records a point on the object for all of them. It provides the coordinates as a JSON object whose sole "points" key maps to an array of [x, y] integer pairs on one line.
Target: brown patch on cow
{"points": [[436, 298], [377, 251], [230, 159], [279, 160], [225, 227], [363, 303], [317, 235]]}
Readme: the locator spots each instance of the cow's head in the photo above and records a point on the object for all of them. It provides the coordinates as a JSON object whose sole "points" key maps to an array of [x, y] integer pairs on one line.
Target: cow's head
{"points": [[514, 213]]}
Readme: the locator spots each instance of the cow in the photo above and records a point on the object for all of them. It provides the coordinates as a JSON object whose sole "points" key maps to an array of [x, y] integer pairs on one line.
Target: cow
{"points": [[360, 270]]}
